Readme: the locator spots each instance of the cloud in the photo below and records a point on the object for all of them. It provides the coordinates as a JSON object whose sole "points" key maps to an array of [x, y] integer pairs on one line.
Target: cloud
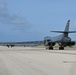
{"points": [[13, 19]]}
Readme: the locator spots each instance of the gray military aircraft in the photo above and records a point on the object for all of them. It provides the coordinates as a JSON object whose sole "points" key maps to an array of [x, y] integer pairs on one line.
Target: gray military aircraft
{"points": [[63, 40]]}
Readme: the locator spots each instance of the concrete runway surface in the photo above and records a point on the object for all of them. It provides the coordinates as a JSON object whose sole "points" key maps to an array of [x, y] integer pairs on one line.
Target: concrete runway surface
{"points": [[37, 61]]}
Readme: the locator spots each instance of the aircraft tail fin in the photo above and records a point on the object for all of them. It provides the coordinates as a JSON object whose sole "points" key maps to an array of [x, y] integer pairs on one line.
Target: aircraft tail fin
{"points": [[67, 26], [66, 29]]}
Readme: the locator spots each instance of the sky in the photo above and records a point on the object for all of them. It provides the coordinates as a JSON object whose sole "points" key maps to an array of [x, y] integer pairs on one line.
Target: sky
{"points": [[32, 20]]}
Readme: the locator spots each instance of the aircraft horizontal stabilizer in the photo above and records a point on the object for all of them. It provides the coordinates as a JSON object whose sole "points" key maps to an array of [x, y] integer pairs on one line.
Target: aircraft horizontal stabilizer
{"points": [[64, 31]]}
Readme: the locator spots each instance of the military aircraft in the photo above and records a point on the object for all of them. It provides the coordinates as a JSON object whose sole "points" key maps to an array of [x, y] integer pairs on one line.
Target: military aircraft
{"points": [[63, 40]]}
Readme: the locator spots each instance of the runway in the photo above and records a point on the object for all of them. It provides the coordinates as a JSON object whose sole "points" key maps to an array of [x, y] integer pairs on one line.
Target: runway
{"points": [[37, 61]]}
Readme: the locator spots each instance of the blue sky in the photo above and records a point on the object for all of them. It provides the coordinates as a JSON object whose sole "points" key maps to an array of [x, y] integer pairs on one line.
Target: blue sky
{"points": [[28, 20]]}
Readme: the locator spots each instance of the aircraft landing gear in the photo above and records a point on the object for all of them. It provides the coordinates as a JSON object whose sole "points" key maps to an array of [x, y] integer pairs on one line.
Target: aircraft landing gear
{"points": [[61, 48], [8, 46], [50, 48]]}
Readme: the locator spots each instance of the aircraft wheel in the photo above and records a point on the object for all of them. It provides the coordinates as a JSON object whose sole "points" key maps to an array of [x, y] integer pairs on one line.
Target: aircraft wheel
{"points": [[8, 46], [61, 48], [50, 48]]}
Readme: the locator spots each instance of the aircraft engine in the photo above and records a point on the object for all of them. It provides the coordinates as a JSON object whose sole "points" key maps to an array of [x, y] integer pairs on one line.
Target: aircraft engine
{"points": [[68, 44], [49, 43], [71, 43]]}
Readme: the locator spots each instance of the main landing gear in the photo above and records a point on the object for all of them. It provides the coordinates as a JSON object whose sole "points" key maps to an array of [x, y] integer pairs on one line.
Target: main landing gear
{"points": [[50, 48], [61, 48]]}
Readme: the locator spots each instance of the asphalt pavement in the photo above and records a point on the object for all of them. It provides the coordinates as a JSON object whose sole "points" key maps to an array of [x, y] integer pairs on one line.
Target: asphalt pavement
{"points": [[37, 61]]}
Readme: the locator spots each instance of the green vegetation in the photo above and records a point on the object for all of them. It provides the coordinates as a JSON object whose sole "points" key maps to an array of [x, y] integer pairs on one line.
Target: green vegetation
{"points": [[74, 46]]}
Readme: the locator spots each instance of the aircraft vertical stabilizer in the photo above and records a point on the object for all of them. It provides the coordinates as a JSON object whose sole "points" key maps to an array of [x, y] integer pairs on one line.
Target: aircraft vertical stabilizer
{"points": [[67, 26], [66, 29]]}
